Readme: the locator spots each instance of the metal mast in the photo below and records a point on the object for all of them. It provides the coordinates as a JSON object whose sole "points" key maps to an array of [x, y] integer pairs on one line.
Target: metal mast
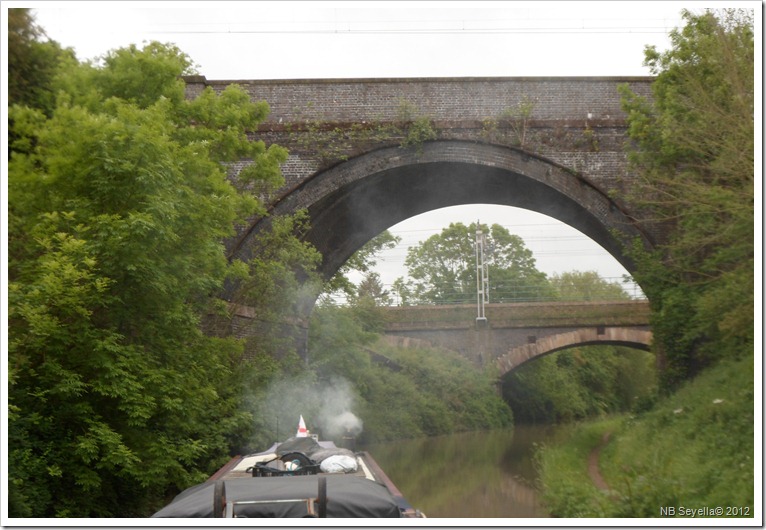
{"points": [[482, 275]]}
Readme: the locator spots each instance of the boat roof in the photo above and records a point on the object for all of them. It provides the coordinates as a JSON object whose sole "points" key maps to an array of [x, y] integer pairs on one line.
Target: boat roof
{"points": [[366, 492], [347, 496]]}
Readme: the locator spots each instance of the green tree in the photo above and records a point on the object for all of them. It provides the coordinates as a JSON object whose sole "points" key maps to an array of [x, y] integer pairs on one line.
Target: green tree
{"points": [[581, 382], [442, 269], [119, 204], [402, 392], [372, 288], [693, 152], [588, 285], [339, 338], [370, 302], [32, 62], [279, 288]]}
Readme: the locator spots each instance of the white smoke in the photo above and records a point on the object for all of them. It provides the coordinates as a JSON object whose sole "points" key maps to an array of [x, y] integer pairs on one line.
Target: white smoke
{"points": [[326, 406], [346, 422], [335, 416]]}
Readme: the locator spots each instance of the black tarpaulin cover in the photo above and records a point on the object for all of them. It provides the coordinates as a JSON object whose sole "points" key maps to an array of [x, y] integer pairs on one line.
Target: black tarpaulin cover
{"points": [[347, 496], [305, 445]]}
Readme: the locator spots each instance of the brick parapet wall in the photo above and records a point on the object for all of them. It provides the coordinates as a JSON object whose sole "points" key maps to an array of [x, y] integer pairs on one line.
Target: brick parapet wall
{"points": [[520, 315], [359, 100]]}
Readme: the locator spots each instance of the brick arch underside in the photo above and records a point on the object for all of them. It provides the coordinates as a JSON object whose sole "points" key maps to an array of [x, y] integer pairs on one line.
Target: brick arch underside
{"points": [[354, 201], [616, 336]]}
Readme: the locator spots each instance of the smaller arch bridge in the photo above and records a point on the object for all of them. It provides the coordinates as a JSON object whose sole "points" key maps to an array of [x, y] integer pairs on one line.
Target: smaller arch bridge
{"points": [[515, 333], [619, 336]]}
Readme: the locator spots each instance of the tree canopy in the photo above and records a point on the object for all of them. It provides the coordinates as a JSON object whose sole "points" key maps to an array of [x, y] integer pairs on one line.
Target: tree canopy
{"points": [[362, 261], [693, 151], [33, 61], [442, 269], [588, 285], [119, 204]]}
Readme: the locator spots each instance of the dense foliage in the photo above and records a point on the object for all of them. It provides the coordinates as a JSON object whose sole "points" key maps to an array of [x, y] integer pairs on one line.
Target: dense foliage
{"points": [[34, 62], [281, 282], [402, 392], [362, 261], [580, 383], [352, 380], [694, 155], [584, 381], [586, 285], [118, 207]]}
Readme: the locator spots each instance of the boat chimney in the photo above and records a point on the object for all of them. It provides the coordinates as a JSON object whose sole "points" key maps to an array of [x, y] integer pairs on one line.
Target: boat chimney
{"points": [[349, 440]]}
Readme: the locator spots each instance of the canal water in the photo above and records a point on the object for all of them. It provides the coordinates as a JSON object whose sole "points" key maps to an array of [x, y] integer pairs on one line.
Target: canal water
{"points": [[481, 474]]}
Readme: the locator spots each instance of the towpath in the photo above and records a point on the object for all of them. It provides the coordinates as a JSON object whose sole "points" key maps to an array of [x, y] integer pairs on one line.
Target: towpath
{"points": [[593, 470]]}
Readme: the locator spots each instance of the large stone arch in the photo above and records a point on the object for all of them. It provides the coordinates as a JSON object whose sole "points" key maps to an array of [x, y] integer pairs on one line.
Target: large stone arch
{"points": [[618, 336], [352, 202]]}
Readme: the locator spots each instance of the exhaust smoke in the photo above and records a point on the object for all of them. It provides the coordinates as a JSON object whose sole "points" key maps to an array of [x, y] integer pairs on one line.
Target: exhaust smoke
{"points": [[327, 406]]}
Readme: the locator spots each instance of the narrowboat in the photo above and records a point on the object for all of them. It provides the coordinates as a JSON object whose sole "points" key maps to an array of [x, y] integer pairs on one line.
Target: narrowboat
{"points": [[300, 477]]}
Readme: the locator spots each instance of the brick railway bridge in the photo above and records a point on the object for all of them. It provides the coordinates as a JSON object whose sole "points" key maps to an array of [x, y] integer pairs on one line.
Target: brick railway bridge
{"points": [[366, 154], [516, 333]]}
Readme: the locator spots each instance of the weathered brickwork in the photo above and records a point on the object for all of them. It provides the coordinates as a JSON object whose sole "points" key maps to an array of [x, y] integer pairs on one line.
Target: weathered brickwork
{"points": [[358, 100], [554, 145], [523, 315], [571, 121], [518, 355]]}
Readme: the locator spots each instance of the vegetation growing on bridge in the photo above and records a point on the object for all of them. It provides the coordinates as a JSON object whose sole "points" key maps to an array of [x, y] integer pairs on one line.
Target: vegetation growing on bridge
{"points": [[512, 124], [336, 142]]}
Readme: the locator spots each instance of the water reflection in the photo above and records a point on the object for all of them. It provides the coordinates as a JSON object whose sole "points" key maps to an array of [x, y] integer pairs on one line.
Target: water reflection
{"points": [[483, 474]]}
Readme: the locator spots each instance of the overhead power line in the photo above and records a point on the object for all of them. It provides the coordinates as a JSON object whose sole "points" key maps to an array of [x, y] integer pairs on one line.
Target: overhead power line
{"points": [[487, 31], [519, 25]]}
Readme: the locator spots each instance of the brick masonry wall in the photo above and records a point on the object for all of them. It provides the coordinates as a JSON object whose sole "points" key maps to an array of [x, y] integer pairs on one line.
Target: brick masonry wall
{"points": [[483, 346], [576, 122], [357, 100], [573, 123]]}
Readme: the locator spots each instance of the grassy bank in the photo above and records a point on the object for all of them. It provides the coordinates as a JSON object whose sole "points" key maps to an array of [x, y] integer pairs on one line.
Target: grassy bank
{"points": [[693, 450]]}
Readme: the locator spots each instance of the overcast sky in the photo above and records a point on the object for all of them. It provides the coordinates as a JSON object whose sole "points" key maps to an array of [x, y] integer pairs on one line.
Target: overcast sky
{"points": [[285, 40], [296, 40]]}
